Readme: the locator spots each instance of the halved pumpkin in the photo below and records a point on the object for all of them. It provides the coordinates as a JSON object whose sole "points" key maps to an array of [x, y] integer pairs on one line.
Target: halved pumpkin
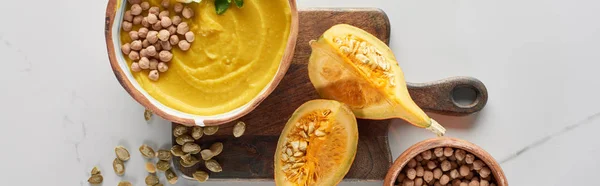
{"points": [[317, 145]]}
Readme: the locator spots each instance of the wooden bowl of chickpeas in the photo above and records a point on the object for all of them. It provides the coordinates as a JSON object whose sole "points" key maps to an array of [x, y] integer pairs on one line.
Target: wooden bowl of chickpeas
{"points": [[445, 161]]}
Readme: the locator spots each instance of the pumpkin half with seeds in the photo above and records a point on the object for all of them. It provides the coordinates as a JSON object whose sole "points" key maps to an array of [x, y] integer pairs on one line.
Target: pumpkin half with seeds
{"points": [[352, 66], [317, 145]]}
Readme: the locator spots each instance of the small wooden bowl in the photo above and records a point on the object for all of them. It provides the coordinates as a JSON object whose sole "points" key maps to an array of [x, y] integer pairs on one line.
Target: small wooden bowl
{"points": [[114, 16], [429, 144]]}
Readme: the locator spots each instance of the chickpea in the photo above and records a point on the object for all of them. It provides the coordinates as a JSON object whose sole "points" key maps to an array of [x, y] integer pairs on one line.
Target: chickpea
{"points": [[145, 43], [145, 5], [133, 55], [126, 26], [470, 175], [182, 28], [133, 35], [411, 173], [454, 174], [431, 165], [165, 56], [142, 32], [156, 26], [153, 10], [165, 22], [184, 45], [145, 22], [153, 75], [137, 19], [420, 171], [172, 30], [485, 172], [428, 176], [400, 177], [126, 48], [135, 67], [437, 173], [484, 183], [178, 7], [162, 67], [426, 155], [165, 45], [187, 12], [446, 165], [439, 152], [448, 151], [163, 14], [128, 16], [176, 20], [144, 53], [478, 164], [460, 154], [158, 47], [469, 158], [144, 63], [409, 183], [152, 19], [151, 51], [136, 45], [163, 35], [444, 179], [174, 40], [136, 9], [418, 157], [464, 170], [412, 163], [153, 64], [189, 36], [165, 3], [419, 181]]}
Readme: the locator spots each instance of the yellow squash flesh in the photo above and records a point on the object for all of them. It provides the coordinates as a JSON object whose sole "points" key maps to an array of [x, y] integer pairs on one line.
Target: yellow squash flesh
{"points": [[326, 157], [350, 65]]}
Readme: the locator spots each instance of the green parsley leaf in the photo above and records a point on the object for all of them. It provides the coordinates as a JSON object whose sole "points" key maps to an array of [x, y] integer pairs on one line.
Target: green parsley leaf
{"points": [[239, 3], [221, 6]]}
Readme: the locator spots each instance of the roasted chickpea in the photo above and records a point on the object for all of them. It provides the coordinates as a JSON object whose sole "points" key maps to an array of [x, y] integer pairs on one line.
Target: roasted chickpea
{"points": [[145, 5], [187, 12], [178, 7], [126, 48], [153, 75], [133, 55], [152, 19], [189, 36], [172, 30], [144, 63], [142, 32], [162, 14], [126, 25], [174, 40], [184, 45], [136, 9], [165, 56], [135, 67], [165, 22], [182, 28], [154, 10], [151, 51], [165, 45], [128, 16], [163, 35], [162, 67], [133, 35], [176, 20], [136, 45]]}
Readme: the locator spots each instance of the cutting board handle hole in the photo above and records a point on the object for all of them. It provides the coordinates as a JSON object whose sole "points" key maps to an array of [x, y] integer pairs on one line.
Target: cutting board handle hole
{"points": [[464, 96]]}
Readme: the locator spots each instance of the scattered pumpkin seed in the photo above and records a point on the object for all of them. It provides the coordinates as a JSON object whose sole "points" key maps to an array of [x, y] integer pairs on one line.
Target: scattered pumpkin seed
{"points": [[162, 165], [122, 153], [191, 161], [216, 148], [191, 148], [206, 154], [151, 179], [211, 130], [124, 183], [183, 139], [150, 167], [179, 130], [147, 151], [213, 165], [177, 151], [147, 115], [96, 179], [239, 129], [171, 176], [197, 132], [164, 155], [95, 171], [118, 167], [200, 176]]}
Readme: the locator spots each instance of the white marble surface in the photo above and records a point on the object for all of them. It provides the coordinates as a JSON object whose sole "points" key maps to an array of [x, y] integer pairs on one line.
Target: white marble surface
{"points": [[63, 111]]}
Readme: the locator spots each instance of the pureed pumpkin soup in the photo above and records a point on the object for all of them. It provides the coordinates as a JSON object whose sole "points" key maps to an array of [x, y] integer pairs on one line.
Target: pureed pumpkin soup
{"points": [[232, 58]]}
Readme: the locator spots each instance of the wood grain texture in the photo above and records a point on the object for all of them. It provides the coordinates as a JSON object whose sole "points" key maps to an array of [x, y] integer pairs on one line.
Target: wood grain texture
{"points": [[250, 157], [432, 143]]}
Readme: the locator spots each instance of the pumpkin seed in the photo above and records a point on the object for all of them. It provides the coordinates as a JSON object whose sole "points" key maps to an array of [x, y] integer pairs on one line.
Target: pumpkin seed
{"points": [[213, 165], [122, 153], [191, 148], [216, 148], [151, 179], [96, 179], [188, 164], [164, 155], [211, 130], [118, 167], [239, 129], [197, 132], [189, 160], [147, 115], [179, 130], [162, 165], [200, 176], [206, 154], [319, 133], [124, 183], [177, 151], [183, 139], [95, 171], [150, 167], [303, 145], [171, 176], [147, 151]]}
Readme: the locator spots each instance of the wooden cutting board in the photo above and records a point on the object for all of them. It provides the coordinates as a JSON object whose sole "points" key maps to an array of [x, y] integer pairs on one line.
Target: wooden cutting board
{"points": [[250, 157]]}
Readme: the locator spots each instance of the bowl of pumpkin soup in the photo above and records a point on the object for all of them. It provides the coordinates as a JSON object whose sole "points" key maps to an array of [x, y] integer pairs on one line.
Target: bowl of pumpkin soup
{"points": [[200, 63]]}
